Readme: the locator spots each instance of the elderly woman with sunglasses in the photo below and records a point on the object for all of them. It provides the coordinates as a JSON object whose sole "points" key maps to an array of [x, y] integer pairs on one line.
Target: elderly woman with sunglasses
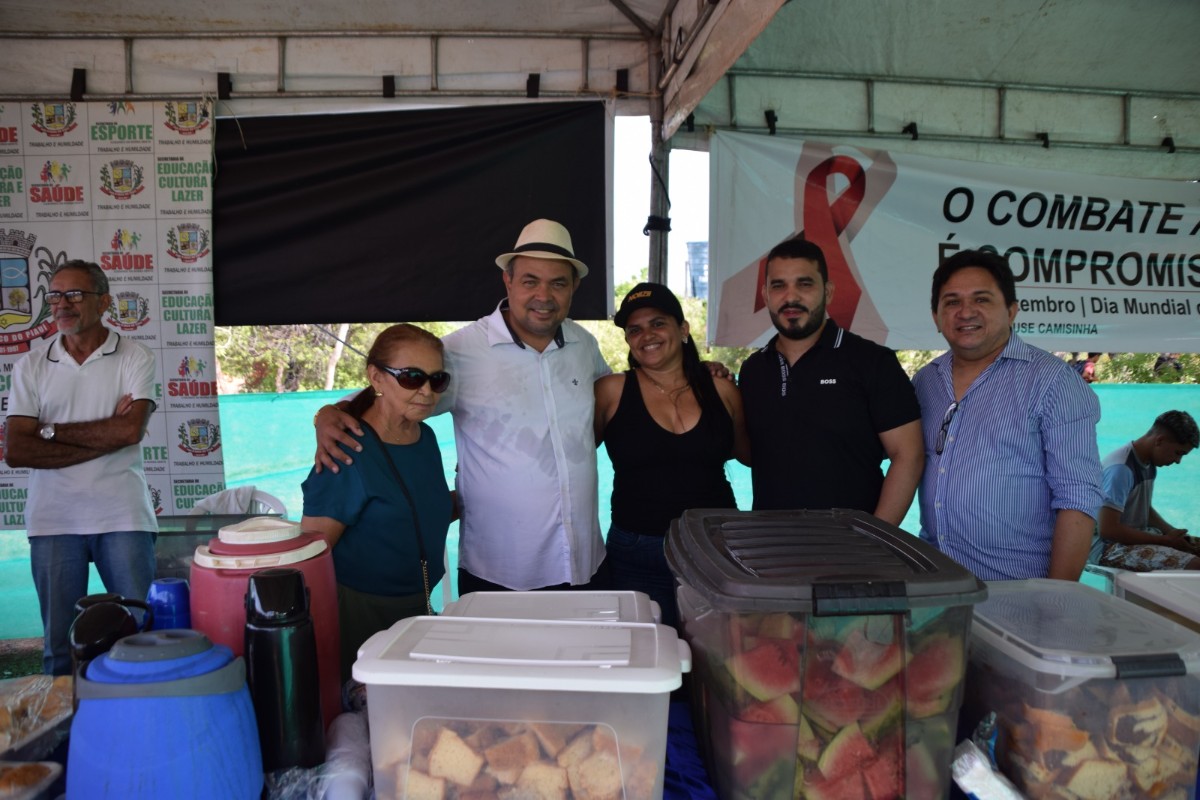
{"points": [[386, 515]]}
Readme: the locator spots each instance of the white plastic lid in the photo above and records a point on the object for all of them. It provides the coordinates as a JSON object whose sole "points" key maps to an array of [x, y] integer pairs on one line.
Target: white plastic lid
{"points": [[1176, 591], [541, 655], [586, 606], [259, 530], [1070, 630], [206, 558]]}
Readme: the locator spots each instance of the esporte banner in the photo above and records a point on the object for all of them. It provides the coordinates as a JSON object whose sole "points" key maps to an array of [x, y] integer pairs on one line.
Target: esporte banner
{"points": [[1102, 264], [129, 186]]}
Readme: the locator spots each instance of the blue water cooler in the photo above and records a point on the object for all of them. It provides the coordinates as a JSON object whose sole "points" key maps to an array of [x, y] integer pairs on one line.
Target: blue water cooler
{"points": [[164, 714]]}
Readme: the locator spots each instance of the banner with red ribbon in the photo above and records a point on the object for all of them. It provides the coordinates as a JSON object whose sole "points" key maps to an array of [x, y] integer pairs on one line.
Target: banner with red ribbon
{"points": [[1102, 264]]}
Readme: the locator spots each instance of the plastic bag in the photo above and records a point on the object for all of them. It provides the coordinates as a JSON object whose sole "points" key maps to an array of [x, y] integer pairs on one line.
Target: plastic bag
{"points": [[345, 775]]}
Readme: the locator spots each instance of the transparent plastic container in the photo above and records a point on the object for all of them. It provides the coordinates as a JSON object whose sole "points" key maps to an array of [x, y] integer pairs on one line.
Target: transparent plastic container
{"points": [[519, 707], [1093, 696], [1170, 593], [829, 653]]}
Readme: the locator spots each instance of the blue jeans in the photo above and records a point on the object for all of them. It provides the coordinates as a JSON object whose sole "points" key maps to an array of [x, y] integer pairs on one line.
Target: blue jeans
{"points": [[639, 563], [124, 559]]}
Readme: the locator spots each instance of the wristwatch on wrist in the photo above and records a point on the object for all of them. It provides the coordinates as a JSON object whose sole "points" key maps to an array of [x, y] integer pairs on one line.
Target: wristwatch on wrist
{"points": [[47, 431]]}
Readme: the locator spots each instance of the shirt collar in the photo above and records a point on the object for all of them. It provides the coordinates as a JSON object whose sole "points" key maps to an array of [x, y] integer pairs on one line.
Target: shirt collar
{"points": [[57, 351], [1015, 348], [831, 337], [501, 332]]}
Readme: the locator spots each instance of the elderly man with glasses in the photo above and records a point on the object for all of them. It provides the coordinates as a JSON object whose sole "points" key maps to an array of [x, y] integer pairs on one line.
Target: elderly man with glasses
{"points": [[1011, 486], [76, 416]]}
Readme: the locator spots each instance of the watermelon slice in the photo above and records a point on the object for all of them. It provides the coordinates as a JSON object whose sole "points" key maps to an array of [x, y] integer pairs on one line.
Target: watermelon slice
{"points": [[922, 776], [808, 745], [921, 708], [829, 700], [849, 787], [885, 706], [885, 776], [770, 669], [884, 779], [781, 710], [781, 625], [936, 668], [846, 754], [868, 663]]}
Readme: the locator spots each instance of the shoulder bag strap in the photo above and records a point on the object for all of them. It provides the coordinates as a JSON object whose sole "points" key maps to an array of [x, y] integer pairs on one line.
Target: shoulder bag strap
{"points": [[412, 507]]}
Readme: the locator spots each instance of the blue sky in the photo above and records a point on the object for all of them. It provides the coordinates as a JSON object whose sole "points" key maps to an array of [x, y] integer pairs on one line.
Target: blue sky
{"points": [[631, 190]]}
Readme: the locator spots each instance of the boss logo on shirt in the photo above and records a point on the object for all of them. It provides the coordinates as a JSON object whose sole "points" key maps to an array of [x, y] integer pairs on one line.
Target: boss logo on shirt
{"points": [[828, 381]]}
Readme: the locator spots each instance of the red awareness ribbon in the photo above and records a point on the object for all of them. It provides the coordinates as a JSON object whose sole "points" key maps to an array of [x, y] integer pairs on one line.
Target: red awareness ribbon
{"points": [[823, 223]]}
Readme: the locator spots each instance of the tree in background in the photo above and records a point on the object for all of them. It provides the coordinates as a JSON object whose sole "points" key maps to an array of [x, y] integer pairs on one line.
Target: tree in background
{"points": [[1148, 368], [612, 339], [290, 358]]}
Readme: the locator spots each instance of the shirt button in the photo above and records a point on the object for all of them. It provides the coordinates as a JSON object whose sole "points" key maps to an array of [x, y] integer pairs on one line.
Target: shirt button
{"points": [[949, 438], [937, 505], [942, 470]]}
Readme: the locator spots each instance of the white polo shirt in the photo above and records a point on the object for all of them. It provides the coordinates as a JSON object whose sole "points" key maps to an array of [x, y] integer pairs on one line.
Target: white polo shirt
{"points": [[105, 494], [526, 479]]}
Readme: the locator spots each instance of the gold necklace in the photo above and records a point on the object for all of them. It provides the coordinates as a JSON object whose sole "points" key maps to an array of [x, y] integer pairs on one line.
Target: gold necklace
{"points": [[674, 393]]}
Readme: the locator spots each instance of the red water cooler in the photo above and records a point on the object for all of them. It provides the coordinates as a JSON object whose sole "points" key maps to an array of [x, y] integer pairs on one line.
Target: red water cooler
{"points": [[221, 573]]}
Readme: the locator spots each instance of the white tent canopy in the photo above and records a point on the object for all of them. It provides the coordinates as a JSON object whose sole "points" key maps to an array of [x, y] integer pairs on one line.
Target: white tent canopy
{"points": [[1095, 86], [1111, 86]]}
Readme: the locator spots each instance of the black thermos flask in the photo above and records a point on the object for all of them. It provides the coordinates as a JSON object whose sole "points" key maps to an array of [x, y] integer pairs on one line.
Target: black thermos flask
{"points": [[281, 670]]}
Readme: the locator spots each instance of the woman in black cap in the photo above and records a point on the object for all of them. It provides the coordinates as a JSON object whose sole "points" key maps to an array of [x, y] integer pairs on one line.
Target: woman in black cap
{"points": [[669, 428]]}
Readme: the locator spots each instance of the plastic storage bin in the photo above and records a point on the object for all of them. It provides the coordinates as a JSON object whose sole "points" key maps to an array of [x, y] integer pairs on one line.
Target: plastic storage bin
{"points": [[522, 708], [829, 652], [614, 606], [1094, 697], [1171, 594]]}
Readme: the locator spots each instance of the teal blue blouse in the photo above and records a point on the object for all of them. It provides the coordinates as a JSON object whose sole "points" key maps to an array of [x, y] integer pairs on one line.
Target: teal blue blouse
{"points": [[378, 551]]}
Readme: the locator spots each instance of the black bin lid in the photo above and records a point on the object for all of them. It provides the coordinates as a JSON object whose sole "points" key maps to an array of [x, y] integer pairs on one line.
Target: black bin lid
{"points": [[832, 562]]}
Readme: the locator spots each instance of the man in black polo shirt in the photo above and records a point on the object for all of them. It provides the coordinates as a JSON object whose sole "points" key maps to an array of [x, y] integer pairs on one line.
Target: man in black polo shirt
{"points": [[824, 407]]}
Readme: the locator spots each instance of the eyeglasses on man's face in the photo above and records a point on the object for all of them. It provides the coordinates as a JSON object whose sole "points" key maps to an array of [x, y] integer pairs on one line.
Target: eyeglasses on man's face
{"points": [[72, 296], [413, 378]]}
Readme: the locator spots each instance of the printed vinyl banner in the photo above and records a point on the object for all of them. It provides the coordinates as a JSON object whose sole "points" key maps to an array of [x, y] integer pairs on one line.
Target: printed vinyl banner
{"points": [[1102, 264], [129, 186]]}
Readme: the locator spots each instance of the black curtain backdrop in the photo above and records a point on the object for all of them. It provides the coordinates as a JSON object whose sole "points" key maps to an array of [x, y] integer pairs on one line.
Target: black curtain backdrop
{"points": [[399, 216]]}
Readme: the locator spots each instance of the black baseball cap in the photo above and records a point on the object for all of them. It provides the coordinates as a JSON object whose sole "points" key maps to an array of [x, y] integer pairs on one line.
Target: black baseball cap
{"points": [[648, 295]]}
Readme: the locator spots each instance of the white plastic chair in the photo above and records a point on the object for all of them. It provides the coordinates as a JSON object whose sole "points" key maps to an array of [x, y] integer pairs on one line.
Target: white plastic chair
{"points": [[239, 500]]}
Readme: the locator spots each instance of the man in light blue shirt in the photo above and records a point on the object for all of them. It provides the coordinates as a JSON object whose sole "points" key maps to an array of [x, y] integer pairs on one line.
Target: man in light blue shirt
{"points": [[1011, 487], [1132, 534]]}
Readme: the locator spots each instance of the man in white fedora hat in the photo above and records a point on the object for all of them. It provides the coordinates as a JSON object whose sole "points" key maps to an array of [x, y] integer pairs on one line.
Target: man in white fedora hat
{"points": [[522, 404]]}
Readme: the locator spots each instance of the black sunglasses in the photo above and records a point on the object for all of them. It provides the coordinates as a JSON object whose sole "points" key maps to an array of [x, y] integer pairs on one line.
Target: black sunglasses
{"points": [[946, 420], [413, 378]]}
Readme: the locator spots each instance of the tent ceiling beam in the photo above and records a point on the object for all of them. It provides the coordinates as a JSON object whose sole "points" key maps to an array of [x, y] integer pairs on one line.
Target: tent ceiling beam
{"points": [[285, 39], [630, 15], [848, 105], [747, 72], [689, 142], [327, 34], [723, 31]]}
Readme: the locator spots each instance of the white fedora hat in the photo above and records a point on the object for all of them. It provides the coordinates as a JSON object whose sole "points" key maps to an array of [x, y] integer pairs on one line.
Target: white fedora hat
{"points": [[544, 238]]}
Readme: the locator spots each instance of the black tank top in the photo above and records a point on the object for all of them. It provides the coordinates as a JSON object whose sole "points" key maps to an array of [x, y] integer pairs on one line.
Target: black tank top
{"points": [[658, 474]]}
